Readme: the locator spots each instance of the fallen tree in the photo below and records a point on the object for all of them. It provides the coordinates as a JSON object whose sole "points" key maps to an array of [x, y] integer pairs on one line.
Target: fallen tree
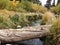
{"points": [[12, 35]]}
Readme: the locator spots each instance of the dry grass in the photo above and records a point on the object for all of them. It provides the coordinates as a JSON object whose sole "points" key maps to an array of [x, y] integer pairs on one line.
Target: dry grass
{"points": [[48, 18], [6, 12]]}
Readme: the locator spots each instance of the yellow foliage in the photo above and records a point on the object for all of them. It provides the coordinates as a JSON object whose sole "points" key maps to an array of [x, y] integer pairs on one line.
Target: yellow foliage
{"points": [[14, 2], [6, 12]]}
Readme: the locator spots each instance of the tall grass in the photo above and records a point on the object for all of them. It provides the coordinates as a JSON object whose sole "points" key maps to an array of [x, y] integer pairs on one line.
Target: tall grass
{"points": [[24, 6], [5, 22], [55, 31], [48, 18], [3, 4], [38, 8], [56, 9]]}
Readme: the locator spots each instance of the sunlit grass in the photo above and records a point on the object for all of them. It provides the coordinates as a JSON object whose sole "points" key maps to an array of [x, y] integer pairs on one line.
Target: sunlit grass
{"points": [[48, 18]]}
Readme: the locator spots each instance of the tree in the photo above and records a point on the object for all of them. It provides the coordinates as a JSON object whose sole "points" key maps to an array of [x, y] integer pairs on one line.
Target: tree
{"points": [[53, 3], [58, 2], [48, 4]]}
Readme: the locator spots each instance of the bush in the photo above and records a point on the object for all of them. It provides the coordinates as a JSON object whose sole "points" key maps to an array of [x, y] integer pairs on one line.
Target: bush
{"points": [[38, 8], [11, 7], [53, 9], [31, 19], [19, 9], [55, 31], [26, 5], [23, 20], [5, 22], [48, 18], [3, 4], [15, 19], [56, 9], [12, 21], [6, 4], [19, 20]]}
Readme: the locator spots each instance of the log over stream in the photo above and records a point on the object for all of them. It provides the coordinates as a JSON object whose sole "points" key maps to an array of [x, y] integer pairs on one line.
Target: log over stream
{"points": [[13, 35]]}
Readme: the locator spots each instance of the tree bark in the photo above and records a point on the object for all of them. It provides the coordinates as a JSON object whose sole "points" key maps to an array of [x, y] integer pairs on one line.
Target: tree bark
{"points": [[12, 35]]}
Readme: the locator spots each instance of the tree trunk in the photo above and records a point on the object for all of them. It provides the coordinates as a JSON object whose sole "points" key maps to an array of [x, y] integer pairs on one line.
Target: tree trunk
{"points": [[48, 4], [53, 3], [12, 35]]}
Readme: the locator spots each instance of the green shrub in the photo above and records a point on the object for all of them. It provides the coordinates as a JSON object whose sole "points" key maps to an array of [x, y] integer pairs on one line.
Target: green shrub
{"points": [[53, 9], [5, 22], [15, 19], [11, 7], [3, 4], [6, 4], [19, 20], [56, 9], [26, 5], [55, 31], [23, 20], [38, 8], [19, 9], [31, 19]]}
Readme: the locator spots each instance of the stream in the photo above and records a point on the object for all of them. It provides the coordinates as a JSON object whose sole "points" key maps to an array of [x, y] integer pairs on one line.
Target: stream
{"points": [[31, 42]]}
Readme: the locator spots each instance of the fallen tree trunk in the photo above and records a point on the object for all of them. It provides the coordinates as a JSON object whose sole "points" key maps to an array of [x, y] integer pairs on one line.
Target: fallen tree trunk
{"points": [[12, 35]]}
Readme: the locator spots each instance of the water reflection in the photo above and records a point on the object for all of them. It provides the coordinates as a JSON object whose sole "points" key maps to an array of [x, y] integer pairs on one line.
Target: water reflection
{"points": [[31, 42]]}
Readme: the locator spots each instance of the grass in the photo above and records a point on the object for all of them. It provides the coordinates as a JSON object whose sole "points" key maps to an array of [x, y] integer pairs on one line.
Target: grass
{"points": [[48, 18], [56, 9], [9, 19], [53, 39], [5, 22], [24, 6]]}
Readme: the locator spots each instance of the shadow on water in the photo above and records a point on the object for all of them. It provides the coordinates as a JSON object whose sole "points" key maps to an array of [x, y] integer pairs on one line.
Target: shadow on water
{"points": [[28, 42], [32, 42]]}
